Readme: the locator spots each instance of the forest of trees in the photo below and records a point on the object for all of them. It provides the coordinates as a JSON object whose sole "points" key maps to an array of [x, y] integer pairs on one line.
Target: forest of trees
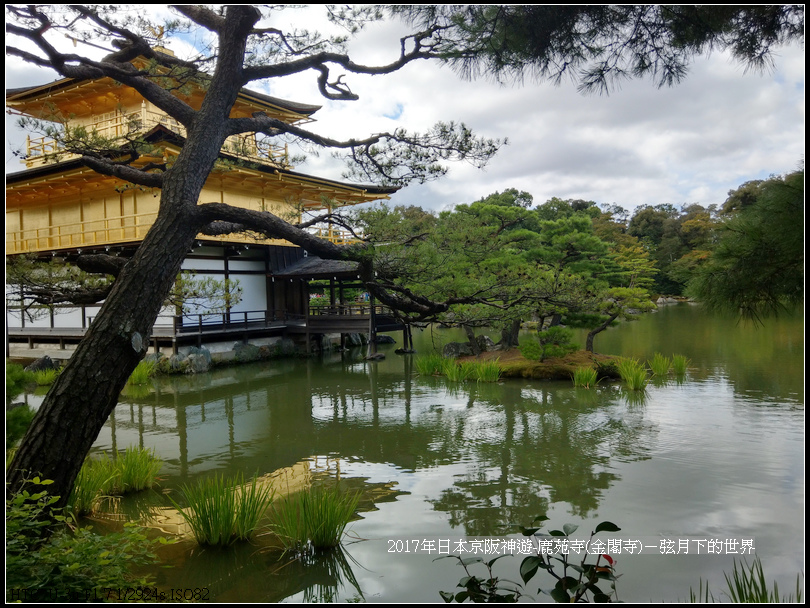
{"points": [[502, 259]]}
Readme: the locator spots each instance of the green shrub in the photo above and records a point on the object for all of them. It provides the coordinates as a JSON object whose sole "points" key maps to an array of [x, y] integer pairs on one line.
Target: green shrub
{"points": [[555, 341], [314, 518], [481, 371], [101, 476], [221, 511], [607, 369], [530, 349], [97, 478], [52, 562], [452, 370], [17, 379], [18, 420], [585, 377]]}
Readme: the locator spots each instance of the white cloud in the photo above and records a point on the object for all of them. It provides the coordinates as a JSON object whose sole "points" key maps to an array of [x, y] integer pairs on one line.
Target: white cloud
{"points": [[641, 145]]}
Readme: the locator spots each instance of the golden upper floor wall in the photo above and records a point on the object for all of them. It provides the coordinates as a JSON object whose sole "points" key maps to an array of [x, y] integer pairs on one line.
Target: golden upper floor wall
{"points": [[57, 204], [68, 206]]}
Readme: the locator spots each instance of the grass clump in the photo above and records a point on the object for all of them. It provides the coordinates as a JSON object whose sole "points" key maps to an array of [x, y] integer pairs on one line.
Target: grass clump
{"points": [[429, 365], [487, 371], [660, 365], [221, 511], [134, 470], [633, 373], [137, 469], [480, 371], [314, 518], [585, 377], [456, 371], [96, 479], [680, 364], [747, 584], [142, 373]]}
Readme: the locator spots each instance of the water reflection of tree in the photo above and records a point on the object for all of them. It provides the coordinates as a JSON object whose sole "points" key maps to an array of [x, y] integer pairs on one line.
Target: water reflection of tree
{"points": [[513, 447], [552, 445]]}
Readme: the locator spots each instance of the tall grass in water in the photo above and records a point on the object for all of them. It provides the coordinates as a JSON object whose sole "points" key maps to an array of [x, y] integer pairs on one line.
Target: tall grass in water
{"points": [[96, 479], [633, 373], [585, 377], [487, 371], [680, 364], [481, 371], [102, 476], [659, 365], [747, 584], [138, 469], [429, 365], [142, 373], [313, 518], [456, 371], [221, 511]]}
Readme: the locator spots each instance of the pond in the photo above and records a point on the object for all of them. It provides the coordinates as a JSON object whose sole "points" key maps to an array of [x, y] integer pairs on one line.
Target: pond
{"points": [[717, 456]]}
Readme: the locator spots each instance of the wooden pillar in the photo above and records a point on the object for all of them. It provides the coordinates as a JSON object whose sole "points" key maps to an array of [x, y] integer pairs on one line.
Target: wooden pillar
{"points": [[372, 330]]}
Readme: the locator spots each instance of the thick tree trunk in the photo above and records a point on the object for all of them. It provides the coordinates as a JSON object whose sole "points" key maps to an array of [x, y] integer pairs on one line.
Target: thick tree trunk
{"points": [[80, 401], [87, 390], [510, 335]]}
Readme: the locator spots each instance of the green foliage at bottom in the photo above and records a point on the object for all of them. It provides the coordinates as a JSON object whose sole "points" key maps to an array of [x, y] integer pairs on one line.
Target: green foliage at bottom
{"points": [[577, 580], [48, 560]]}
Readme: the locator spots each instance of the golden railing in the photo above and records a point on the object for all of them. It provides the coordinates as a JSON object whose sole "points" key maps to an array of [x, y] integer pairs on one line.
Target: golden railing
{"points": [[335, 235], [118, 125], [88, 233], [117, 230]]}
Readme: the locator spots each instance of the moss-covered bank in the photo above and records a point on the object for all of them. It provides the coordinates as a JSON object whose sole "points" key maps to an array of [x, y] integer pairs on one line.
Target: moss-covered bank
{"points": [[514, 365]]}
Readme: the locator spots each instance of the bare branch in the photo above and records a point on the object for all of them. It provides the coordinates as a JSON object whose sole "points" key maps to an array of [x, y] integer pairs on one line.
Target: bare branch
{"points": [[124, 172]]}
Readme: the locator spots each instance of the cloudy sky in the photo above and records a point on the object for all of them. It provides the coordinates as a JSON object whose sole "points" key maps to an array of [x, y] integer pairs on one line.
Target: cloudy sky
{"points": [[640, 145]]}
